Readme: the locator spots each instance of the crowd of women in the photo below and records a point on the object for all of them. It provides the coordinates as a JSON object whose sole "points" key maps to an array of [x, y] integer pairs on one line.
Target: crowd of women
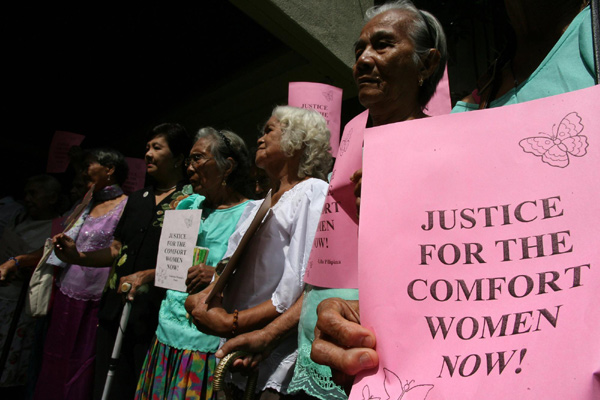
{"points": [[173, 339]]}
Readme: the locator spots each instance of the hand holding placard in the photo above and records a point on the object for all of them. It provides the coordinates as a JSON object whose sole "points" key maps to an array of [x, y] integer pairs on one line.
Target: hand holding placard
{"points": [[176, 248]]}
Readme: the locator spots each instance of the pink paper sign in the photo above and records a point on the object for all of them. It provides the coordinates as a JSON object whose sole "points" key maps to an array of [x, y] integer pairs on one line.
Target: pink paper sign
{"points": [[479, 258], [136, 176], [333, 261], [440, 103], [58, 156], [323, 98]]}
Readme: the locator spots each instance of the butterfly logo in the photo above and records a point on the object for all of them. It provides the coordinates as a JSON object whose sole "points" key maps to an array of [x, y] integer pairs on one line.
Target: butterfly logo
{"points": [[328, 95], [366, 393], [396, 390], [345, 143], [161, 276], [188, 221], [556, 147]]}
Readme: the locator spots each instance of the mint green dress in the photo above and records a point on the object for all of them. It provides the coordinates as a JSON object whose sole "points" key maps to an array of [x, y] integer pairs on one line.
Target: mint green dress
{"points": [[174, 328], [312, 378], [180, 363]]}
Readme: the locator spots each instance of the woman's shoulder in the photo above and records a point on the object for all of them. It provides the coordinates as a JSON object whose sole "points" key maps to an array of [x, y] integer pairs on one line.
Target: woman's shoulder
{"points": [[313, 187], [306, 192], [191, 202]]}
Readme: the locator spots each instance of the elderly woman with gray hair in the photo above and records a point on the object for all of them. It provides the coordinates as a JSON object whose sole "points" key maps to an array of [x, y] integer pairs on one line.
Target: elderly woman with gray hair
{"points": [[181, 361], [294, 151], [400, 59]]}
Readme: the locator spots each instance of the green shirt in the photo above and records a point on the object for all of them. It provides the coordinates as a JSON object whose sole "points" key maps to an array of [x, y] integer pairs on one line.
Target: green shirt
{"points": [[174, 327], [568, 66]]}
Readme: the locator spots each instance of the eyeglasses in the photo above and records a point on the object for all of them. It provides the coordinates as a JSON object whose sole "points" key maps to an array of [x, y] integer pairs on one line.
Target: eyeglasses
{"points": [[195, 159]]}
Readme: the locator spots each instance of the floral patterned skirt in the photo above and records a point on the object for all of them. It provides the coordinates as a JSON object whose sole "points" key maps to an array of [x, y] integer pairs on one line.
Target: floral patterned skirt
{"points": [[172, 374]]}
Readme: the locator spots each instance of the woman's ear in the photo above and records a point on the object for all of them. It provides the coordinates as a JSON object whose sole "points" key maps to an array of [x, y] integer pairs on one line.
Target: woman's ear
{"points": [[230, 167], [110, 171], [430, 63]]}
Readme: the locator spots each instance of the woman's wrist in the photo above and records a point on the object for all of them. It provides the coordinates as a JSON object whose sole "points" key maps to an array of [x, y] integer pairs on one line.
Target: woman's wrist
{"points": [[15, 261], [234, 323], [148, 275]]}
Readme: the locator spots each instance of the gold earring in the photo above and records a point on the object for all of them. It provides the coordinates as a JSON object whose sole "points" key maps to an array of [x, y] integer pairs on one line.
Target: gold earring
{"points": [[420, 81], [223, 183]]}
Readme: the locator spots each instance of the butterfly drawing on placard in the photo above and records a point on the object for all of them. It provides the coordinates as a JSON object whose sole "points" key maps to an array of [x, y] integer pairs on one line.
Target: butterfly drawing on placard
{"points": [[328, 95], [345, 143], [556, 147], [396, 390], [366, 393], [188, 221]]}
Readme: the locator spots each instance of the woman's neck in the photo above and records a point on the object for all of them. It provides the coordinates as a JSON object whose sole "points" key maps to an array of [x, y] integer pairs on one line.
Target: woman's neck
{"points": [[168, 180], [396, 115], [225, 198], [284, 178]]}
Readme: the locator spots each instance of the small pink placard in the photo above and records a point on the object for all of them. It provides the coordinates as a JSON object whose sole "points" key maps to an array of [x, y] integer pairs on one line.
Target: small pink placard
{"points": [[334, 255], [58, 156], [325, 99]]}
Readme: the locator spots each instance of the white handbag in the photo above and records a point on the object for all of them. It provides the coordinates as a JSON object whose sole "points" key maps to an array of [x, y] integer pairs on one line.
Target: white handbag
{"points": [[40, 285]]}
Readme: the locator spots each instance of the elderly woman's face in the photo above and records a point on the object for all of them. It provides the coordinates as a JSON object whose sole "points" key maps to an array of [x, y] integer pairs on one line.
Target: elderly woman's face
{"points": [[205, 176], [269, 144], [384, 69]]}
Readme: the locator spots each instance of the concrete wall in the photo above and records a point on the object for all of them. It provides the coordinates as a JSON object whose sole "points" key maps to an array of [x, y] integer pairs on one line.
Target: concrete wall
{"points": [[323, 32]]}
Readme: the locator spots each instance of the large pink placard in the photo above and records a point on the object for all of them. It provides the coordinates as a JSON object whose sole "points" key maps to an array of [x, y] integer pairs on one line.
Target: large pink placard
{"points": [[333, 261], [440, 103], [325, 99], [136, 176], [58, 156], [478, 256]]}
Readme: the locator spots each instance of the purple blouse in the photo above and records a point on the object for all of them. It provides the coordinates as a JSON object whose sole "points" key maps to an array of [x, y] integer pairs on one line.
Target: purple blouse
{"points": [[87, 283]]}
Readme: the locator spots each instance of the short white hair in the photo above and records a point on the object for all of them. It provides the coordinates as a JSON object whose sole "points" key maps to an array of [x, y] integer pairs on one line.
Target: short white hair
{"points": [[305, 130]]}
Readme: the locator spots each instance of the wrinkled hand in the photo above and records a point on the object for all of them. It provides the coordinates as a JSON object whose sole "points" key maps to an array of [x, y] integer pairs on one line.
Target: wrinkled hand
{"points": [[65, 249], [341, 342], [357, 179], [260, 343], [7, 272], [138, 281], [198, 277], [212, 318]]}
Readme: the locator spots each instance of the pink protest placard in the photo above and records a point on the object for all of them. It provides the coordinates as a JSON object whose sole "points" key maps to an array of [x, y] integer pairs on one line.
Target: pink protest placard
{"points": [[333, 261], [440, 103], [136, 176], [478, 255], [58, 156], [325, 99]]}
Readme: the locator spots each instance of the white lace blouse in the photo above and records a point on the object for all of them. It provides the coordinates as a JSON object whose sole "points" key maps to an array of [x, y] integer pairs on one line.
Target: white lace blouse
{"points": [[273, 268]]}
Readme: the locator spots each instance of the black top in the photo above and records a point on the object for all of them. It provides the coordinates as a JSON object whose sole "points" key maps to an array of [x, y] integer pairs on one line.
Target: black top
{"points": [[139, 233]]}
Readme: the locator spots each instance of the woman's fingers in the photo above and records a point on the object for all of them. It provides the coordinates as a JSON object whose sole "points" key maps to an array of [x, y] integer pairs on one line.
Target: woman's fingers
{"points": [[340, 341]]}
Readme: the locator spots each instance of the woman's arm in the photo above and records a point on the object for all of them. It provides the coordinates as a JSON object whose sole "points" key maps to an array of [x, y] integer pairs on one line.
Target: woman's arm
{"points": [[260, 342], [136, 280], [213, 319], [66, 250], [10, 267]]}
